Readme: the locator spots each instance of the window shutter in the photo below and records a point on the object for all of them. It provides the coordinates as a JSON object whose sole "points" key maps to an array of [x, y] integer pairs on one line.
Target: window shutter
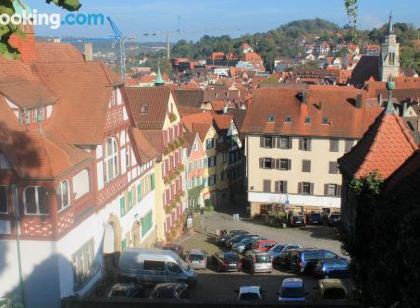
{"points": [[312, 188], [330, 167], [277, 163], [289, 146], [261, 162], [262, 141], [299, 187], [300, 143], [289, 164], [309, 144], [338, 190], [273, 163], [285, 187], [325, 189]]}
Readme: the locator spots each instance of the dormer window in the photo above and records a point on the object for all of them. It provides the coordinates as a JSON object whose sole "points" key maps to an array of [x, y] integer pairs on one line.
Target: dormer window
{"points": [[288, 119], [308, 120], [271, 118], [325, 121], [144, 109], [33, 115]]}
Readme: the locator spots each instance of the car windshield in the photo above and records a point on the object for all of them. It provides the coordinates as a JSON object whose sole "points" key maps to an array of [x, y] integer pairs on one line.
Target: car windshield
{"points": [[277, 248], [292, 292], [195, 257], [231, 257], [265, 258], [316, 215], [250, 296]]}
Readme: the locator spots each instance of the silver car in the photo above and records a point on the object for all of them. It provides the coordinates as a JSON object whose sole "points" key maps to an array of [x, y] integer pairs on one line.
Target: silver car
{"points": [[257, 262], [196, 259]]}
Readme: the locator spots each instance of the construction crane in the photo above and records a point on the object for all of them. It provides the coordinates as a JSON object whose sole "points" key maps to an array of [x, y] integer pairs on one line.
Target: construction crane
{"points": [[168, 34], [120, 39]]}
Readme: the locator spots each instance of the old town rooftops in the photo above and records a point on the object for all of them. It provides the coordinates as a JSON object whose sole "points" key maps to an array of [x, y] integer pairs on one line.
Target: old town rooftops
{"points": [[319, 111]]}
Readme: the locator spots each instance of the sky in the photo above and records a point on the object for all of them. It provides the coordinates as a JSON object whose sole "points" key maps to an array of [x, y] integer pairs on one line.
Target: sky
{"points": [[217, 17]]}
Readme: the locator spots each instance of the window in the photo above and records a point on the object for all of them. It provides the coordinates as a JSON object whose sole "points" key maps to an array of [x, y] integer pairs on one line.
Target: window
{"points": [[271, 118], [332, 190], [3, 199], [306, 165], [80, 183], [210, 143], [284, 142], [152, 181], [154, 266], [147, 223], [348, 145], [266, 163], [85, 266], [63, 195], [36, 201], [4, 162], [266, 142], [308, 120], [305, 144], [211, 162], [334, 145], [212, 180], [325, 121], [333, 168], [283, 164], [267, 185], [306, 188], [280, 187], [288, 119], [144, 109], [392, 58], [111, 159]]}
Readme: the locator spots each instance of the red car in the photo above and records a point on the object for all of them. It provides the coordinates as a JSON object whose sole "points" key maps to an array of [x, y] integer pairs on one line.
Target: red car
{"points": [[263, 245]]}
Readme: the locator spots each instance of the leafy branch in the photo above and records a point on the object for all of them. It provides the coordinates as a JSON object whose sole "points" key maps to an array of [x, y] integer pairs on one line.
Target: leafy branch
{"points": [[352, 13]]}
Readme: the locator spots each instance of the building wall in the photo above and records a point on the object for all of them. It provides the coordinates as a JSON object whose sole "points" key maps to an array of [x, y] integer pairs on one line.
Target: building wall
{"points": [[208, 190], [320, 156]]}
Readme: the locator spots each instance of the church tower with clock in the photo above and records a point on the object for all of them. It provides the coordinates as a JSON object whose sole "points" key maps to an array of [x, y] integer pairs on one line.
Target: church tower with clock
{"points": [[390, 55]]}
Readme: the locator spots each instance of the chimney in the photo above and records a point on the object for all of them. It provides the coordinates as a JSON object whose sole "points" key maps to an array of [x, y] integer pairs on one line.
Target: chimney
{"points": [[359, 101], [88, 52], [25, 44]]}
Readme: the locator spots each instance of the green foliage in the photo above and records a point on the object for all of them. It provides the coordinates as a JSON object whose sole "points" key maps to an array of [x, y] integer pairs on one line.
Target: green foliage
{"points": [[369, 185], [164, 64], [6, 31], [208, 203], [352, 12]]}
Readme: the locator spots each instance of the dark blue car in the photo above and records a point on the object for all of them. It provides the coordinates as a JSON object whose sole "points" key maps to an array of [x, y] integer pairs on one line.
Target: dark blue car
{"points": [[315, 219], [332, 268]]}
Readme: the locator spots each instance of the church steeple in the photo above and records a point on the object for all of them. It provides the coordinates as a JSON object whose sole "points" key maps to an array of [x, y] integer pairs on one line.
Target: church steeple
{"points": [[390, 54], [159, 80], [390, 25]]}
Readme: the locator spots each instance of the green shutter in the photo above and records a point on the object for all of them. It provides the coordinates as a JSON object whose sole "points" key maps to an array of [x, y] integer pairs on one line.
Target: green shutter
{"points": [[130, 199], [124, 244], [147, 223], [139, 196], [152, 181], [122, 206]]}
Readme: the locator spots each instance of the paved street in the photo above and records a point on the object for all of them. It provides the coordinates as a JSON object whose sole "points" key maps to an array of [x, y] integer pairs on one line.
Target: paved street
{"points": [[221, 286]]}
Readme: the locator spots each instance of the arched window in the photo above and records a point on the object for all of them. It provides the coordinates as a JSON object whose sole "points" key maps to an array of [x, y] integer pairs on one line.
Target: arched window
{"points": [[36, 200], [63, 195], [111, 159]]}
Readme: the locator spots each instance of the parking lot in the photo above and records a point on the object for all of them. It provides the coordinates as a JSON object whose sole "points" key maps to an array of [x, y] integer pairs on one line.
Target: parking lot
{"points": [[220, 286]]}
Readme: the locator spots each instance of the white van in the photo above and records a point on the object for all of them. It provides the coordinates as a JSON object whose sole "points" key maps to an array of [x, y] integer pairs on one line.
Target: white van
{"points": [[152, 266]]}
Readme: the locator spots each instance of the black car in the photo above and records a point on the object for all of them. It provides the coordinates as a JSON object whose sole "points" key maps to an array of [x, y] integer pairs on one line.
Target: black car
{"points": [[170, 291], [221, 240], [334, 219], [132, 290], [238, 238], [315, 219], [296, 219], [227, 261], [283, 260]]}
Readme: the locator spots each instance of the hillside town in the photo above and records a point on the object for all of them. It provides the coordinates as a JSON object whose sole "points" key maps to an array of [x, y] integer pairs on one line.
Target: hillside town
{"points": [[94, 165]]}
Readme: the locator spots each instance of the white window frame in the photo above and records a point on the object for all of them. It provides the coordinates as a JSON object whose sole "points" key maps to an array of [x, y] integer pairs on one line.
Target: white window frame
{"points": [[61, 195], [36, 201], [332, 187], [113, 158]]}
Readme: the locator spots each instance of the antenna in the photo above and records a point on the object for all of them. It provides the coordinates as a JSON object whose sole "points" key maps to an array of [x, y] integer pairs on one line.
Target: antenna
{"points": [[120, 38]]}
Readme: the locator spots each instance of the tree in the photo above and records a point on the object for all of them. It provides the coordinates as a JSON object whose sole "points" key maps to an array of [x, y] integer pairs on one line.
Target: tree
{"points": [[6, 31], [352, 12]]}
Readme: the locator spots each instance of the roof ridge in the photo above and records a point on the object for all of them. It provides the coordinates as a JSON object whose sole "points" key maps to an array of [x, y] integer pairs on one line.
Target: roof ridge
{"points": [[406, 132]]}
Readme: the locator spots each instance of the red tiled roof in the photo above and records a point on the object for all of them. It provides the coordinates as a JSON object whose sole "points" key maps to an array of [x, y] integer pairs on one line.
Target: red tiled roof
{"points": [[332, 102], [201, 129], [204, 117], [148, 144], [50, 52], [223, 121], [384, 148], [154, 100]]}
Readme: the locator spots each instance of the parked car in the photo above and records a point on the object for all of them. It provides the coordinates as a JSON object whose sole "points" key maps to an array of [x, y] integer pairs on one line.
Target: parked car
{"points": [[332, 289], [278, 249], [127, 290], [151, 266], [304, 260], [297, 219], [227, 261], [238, 238], [170, 291], [221, 240], [332, 268], [292, 289], [263, 244], [257, 261], [196, 259], [283, 260], [244, 244], [315, 219], [334, 219], [250, 293], [175, 248]]}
